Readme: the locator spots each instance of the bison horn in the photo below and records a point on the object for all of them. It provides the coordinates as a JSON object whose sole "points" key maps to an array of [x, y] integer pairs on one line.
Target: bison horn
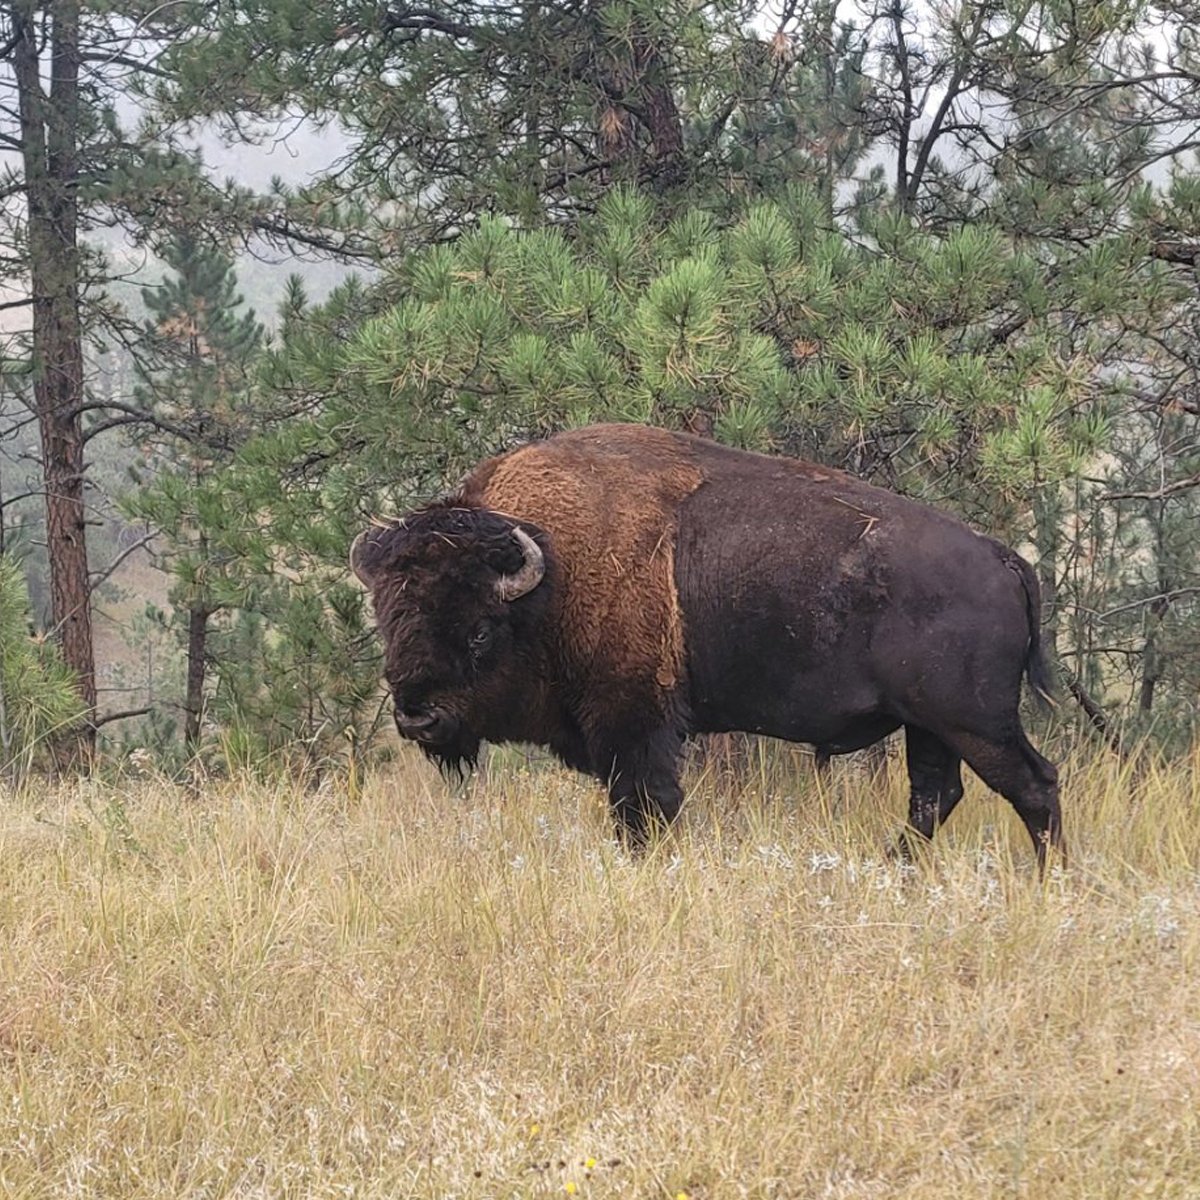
{"points": [[356, 558], [510, 587]]}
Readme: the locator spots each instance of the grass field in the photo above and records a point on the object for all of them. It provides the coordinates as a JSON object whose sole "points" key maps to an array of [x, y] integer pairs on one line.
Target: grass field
{"points": [[416, 992]]}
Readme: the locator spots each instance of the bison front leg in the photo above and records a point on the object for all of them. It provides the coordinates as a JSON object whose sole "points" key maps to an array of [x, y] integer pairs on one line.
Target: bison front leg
{"points": [[643, 785]]}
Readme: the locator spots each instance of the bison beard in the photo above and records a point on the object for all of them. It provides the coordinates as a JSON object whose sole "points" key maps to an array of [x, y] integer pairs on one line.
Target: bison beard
{"points": [[610, 590], [456, 758]]}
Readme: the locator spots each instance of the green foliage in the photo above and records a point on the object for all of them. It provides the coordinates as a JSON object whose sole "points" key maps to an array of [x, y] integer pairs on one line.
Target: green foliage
{"points": [[769, 332], [196, 387], [661, 213], [289, 664], [529, 111], [297, 680], [38, 698]]}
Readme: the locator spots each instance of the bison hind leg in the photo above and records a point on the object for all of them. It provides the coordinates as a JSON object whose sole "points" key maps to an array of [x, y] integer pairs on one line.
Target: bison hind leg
{"points": [[935, 779], [1011, 766]]}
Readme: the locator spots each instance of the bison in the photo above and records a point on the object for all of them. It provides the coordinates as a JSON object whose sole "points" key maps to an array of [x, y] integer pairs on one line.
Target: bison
{"points": [[612, 589]]}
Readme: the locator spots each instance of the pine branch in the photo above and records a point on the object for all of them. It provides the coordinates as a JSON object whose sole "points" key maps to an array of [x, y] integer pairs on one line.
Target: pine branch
{"points": [[1182, 252], [7, 500], [7, 431], [1168, 396], [104, 575], [1004, 331], [1163, 599], [953, 90], [717, 125], [425, 20], [1170, 489], [908, 115], [282, 228], [123, 60], [123, 715], [132, 416], [563, 177], [1096, 716]]}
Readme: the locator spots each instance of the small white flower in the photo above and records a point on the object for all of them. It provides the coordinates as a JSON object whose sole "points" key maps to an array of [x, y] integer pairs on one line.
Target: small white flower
{"points": [[774, 856], [818, 861]]}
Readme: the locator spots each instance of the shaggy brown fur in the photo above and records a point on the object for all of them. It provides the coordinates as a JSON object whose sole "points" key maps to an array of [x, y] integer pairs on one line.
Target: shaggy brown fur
{"points": [[608, 497]]}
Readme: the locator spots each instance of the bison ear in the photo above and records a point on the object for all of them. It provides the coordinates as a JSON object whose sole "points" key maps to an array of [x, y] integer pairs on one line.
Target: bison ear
{"points": [[360, 555]]}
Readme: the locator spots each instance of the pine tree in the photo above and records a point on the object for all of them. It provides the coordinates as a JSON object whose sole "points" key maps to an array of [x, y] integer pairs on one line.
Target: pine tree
{"points": [[455, 110], [773, 332], [49, 140], [294, 668], [196, 383], [74, 167]]}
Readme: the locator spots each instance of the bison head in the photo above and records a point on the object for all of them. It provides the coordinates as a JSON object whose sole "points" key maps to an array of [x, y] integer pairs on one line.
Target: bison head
{"points": [[459, 597]]}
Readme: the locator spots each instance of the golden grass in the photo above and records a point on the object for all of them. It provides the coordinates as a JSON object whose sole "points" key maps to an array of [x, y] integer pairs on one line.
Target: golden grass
{"points": [[415, 993]]}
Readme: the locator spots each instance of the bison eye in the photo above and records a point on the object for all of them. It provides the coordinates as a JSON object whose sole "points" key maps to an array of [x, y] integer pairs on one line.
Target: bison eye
{"points": [[480, 640]]}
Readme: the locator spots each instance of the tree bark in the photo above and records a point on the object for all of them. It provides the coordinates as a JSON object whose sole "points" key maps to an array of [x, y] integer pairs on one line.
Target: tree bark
{"points": [[1047, 517], [197, 649], [49, 133], [908, 116], [661, 114], [8, 768], [1156, 611], [640, 88]]}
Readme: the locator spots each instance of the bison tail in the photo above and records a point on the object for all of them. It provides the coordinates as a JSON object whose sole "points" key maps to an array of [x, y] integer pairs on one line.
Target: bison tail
{"points": [[1038, 671]]}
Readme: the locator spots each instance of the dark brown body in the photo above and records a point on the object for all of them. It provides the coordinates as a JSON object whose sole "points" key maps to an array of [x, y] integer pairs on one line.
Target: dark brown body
{"points": [[686, 587]]}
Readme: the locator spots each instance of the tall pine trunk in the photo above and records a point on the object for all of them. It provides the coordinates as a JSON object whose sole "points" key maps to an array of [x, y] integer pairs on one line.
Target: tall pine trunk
{"points": [[1156, 612], [197, 649], [49, 133]]}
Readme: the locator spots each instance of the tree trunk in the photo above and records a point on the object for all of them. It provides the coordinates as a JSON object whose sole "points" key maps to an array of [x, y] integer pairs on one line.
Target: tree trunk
{"points": [[8, 768], [659, 113], [49, 132], [1156, 613], [1047, 518], [1151, 670], [197, 649], [1096, 716], [825, 19], [908, 115], [640, 88]]}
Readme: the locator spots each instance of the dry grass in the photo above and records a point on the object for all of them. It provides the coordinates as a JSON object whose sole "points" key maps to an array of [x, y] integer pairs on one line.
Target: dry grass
{"points": [[412, 993]]}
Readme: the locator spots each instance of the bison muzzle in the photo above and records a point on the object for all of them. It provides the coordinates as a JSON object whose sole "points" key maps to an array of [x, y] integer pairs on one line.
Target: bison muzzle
{"points": [[610, 590]]}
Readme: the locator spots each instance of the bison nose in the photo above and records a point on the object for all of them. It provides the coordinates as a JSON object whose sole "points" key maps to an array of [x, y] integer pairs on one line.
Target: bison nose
{"points": [[412, 722]]}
